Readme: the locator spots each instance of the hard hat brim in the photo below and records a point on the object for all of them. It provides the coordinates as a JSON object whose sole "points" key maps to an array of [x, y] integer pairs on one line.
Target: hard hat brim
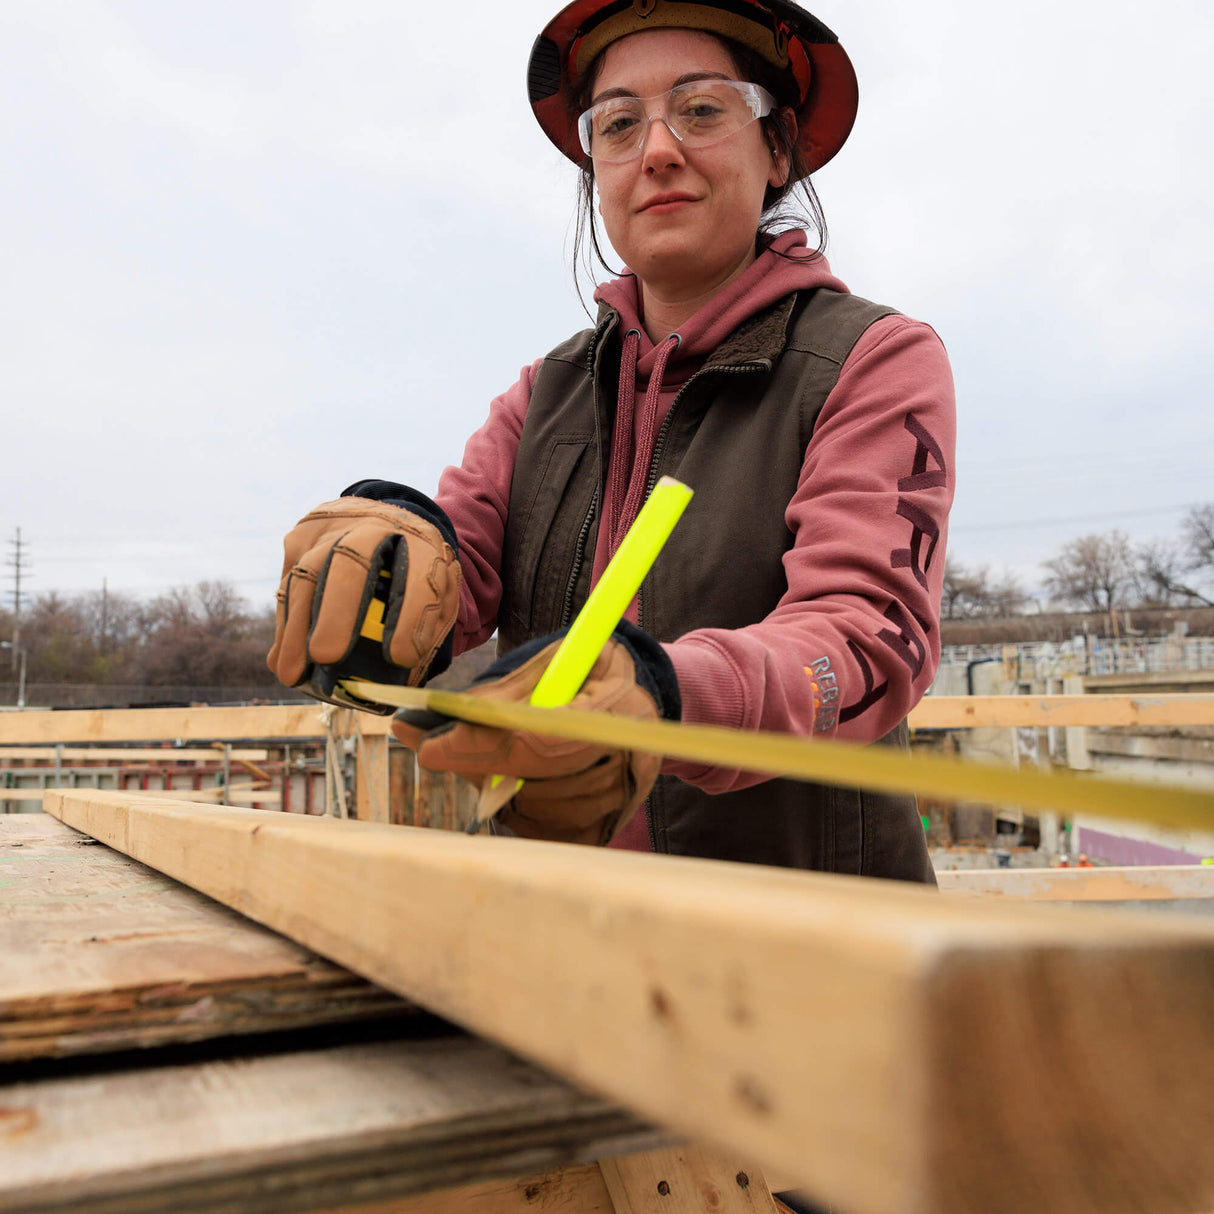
{"points": [[792, 40]]}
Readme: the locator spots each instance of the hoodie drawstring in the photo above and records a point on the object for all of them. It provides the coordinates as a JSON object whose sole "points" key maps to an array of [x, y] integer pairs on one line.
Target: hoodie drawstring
{"points": [[632, 447]]}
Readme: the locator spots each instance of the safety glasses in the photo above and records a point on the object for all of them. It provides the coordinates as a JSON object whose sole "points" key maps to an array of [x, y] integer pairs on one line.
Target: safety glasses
{"points": [[698, 114]]}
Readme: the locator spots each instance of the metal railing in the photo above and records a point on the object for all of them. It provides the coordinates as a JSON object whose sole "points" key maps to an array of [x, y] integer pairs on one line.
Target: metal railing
{"points": [[1089, 655]]}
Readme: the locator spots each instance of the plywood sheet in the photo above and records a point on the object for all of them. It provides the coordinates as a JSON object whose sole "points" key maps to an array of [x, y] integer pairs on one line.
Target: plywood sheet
{"points": [[99, 953], [296, 1131]]}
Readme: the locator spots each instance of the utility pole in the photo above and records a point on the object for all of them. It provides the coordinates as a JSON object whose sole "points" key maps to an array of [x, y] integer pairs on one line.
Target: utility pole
{"points": [[19, 563]]}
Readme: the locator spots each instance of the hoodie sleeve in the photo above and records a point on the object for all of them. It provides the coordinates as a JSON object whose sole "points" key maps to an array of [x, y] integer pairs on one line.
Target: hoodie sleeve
{"points": [[476, 497], [854, 642]]}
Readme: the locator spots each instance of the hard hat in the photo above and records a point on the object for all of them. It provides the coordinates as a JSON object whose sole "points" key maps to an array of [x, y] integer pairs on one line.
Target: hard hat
{"points": [[820, 80]]}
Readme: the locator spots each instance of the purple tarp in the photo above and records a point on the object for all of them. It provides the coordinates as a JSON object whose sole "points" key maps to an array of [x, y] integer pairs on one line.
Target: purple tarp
{"points": [[1117, 849]]}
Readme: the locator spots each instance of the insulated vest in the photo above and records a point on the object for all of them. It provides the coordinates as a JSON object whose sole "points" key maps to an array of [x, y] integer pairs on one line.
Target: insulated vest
{"points": [[737, 434]]}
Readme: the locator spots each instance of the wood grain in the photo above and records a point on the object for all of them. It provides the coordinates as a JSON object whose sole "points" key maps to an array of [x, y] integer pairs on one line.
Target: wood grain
{"points": [[885, 1048], [296, 1131], [174, 724], [685, 1179], [371, 799], [115, 755], [573, 1190], [99, 953], [980, 712], [236, 792]]}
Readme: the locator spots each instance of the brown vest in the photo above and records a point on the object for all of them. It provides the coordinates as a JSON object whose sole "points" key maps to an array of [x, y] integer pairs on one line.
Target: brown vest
{"points": [[737, 434]]}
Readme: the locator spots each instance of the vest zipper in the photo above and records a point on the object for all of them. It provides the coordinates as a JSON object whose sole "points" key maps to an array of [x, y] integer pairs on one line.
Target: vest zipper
{"points": [[579, 558], [651, 481]]}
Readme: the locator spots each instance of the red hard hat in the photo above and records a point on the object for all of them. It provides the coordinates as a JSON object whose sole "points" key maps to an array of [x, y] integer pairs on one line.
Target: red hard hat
{"points": [[821, 82]]}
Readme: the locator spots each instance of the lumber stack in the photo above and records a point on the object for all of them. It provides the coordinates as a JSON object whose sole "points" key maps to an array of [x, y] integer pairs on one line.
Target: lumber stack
{"points": [[881, 1046], [279, 1082]]}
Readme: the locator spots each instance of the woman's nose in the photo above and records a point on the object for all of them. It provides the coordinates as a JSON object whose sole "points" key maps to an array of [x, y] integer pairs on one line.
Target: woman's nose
{"points": [[660, 147]]}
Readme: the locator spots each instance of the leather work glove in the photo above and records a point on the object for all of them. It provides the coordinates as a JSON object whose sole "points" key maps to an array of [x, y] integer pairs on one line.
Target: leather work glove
{"points": [[575, 792], [331, 570]]}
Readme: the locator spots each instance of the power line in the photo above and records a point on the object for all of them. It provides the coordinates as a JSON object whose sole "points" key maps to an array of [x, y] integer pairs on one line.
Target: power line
{"points": [[20, 567], [1024, 524]]}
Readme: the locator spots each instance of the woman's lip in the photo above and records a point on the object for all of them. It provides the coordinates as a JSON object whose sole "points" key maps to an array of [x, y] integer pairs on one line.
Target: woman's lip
{"points": [[667, 204]]}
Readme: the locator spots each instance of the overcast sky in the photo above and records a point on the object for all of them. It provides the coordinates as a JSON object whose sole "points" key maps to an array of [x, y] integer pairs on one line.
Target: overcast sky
{"points": [[255, 251]]}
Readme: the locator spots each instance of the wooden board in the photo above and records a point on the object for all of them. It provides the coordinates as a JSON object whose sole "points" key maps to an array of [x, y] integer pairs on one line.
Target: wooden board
{"points": [[216, 794], [685, 1180], [99, 953], [178, 724], [676, 1180], [296, 1131], [115, 755], [573, 1190], [982, 712], [1168, 883], [881, 1046], [235, 792]]}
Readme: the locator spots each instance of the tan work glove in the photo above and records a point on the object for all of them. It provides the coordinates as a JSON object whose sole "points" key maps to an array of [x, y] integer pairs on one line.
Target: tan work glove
{"points": [[331, 570], [575, 792]]}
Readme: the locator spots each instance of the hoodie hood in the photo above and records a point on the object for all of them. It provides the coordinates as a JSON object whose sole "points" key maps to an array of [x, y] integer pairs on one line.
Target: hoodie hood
{"points": [[786, 265]]}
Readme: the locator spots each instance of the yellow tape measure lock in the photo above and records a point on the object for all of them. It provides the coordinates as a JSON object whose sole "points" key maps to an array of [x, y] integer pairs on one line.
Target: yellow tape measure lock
{"points": [[373, 621], [873, 767]]}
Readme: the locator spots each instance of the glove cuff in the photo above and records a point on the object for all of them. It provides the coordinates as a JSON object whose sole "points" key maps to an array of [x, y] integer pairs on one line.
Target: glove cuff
{"points": [[392, 493], [655, 670]]}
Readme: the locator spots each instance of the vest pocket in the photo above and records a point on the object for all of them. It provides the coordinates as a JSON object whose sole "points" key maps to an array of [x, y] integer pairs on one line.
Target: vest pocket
{"points": [[545, 519]]}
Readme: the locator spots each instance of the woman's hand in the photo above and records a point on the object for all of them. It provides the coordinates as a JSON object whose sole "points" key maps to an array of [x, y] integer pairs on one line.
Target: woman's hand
{"points": [[575, 792], [333, 560]]}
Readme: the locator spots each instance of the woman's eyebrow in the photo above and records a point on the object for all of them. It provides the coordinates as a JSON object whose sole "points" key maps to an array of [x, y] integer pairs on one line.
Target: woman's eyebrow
{"points": [[686, 78]]}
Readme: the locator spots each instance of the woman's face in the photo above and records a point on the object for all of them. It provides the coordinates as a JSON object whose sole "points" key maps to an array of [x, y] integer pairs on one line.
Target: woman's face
{"points": [[683, 219]]}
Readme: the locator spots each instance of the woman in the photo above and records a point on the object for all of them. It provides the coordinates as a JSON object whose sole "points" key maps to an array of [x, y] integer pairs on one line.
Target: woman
{"points": [[801, 590]]}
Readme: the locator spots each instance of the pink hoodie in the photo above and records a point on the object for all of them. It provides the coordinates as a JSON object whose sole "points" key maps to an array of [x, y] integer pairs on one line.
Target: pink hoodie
{"points": [[854, 643]]}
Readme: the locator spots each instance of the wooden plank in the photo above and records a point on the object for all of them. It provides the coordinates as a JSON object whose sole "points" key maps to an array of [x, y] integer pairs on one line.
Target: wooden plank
{"points": [[985, 712], [174, 724], [99, 953], [121, 754], [1169, 749], [575, 1190], [296, 1131], [371, 802], [1165, 883], [814, 1023], [1155, 679], [236, 792], [685, 1180]]}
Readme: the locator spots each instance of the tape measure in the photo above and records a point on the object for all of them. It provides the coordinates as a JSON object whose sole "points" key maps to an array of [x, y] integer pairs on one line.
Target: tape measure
{"points": [[365, 661], [840, 763]]}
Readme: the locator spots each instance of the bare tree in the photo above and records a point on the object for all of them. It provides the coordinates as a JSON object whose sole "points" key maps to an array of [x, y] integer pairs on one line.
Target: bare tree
{"points": [[1198, 527], [1096, 572], [970, 593], [189, 636], [1006, 595], [205, 635], [957, 591], [1160, 575]]}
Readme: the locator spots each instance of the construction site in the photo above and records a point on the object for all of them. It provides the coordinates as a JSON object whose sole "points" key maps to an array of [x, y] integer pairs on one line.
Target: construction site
{"points": [[253, 962], [565, 651]]}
